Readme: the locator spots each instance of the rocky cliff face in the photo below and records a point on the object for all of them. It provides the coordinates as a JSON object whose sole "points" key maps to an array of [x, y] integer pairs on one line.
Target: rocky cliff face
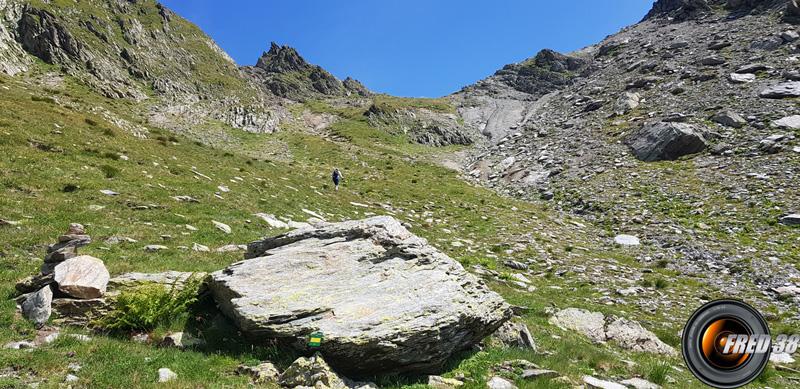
{"points": [[12, 57], [119, 49], [283, 72]]}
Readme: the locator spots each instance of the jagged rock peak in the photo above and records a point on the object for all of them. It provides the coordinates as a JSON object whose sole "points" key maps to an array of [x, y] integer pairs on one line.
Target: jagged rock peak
{"points": [[556, 61], [355, 86], [542, 74], [679, 10], [282, 59]]}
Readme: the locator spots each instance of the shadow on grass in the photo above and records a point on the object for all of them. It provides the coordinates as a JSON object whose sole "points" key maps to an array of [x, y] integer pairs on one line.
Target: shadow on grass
{"points": [[222, 337]]}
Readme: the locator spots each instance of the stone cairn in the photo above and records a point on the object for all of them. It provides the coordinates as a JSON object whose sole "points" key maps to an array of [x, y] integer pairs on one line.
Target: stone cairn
{"points": [[64, 275]]}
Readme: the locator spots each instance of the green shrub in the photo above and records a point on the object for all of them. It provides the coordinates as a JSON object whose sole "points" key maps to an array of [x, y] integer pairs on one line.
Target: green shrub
{"points": [[43, 99], [109, 171], [110, 155], [90, 122], [145, 307]]}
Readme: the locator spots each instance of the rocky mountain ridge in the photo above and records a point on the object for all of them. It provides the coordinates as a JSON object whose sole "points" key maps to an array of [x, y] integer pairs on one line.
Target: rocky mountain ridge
{"points": [[708, 85]]}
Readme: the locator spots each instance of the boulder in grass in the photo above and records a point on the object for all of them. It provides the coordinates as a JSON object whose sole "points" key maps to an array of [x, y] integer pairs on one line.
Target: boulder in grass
{"points": [[36, 306], [628, 334], [377, 293], [83, 277]]}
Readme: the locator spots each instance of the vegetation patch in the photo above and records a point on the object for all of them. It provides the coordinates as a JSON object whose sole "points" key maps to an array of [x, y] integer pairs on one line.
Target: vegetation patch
{"points": [[147, 306]]}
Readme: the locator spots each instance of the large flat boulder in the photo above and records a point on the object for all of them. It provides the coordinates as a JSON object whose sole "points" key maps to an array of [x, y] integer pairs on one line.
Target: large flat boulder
{"points": [[628, 334], [666, 141], [384, 299]]}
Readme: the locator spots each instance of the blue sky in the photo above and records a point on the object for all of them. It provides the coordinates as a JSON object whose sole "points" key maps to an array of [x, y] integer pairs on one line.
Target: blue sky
{"points": [[415, 48]]}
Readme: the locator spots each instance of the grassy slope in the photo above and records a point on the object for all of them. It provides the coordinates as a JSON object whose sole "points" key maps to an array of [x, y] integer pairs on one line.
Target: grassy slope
{"points": [[37, 163]]}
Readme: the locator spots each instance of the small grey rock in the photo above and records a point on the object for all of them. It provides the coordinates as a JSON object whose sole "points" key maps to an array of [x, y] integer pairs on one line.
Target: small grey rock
{"points": [[626, 240], [639, 383], [36, 306], [596, 383], [539, 373], [166, 375], [500, 383], [437, 382], [730, 119]]}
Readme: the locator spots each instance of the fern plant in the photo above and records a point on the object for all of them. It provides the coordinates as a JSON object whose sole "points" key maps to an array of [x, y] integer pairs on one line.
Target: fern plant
{"points": [[147, 306]]}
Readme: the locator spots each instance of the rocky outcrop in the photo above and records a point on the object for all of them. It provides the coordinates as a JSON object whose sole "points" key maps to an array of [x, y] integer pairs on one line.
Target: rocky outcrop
{"points": [[282, 59], [627, 334], [507, 101], [666, 141], [46, 36], [12, 57], [378, 293], [356, 87], [515, 334], [43, 36], [421, 125], [792, 13]]}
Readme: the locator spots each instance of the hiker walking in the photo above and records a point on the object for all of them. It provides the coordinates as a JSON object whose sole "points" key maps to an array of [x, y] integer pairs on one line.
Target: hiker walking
{"points": [[336, 176]]}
